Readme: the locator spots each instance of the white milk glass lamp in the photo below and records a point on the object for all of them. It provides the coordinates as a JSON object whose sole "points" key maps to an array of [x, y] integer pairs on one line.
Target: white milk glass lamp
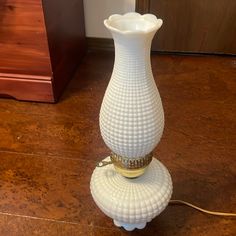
{"points": [[135, 187]]}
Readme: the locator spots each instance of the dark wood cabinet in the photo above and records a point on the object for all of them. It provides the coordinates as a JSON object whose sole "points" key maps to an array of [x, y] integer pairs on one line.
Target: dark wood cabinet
{"points": [[193, 26], [41, 44]]}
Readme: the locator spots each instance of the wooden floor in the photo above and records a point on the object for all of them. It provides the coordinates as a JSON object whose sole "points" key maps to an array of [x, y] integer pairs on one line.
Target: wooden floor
{"points": [[48, 151]]}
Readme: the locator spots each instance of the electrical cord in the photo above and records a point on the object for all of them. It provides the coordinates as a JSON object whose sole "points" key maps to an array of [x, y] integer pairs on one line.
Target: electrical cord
{"points": [[180, 202]]}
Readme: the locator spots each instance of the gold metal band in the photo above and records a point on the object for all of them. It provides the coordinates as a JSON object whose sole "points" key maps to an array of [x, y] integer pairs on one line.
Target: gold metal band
{"points": [[131, 163]]}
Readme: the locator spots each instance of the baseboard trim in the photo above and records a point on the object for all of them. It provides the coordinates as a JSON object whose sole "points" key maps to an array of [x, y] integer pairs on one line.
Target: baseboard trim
{"points": [[105, 44], [100, 44]]}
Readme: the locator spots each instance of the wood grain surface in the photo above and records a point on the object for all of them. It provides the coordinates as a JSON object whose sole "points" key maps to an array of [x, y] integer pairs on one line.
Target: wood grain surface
{"points": [[200, 26], [41, 43], [23, 42], [66, 39], [49, 151]]}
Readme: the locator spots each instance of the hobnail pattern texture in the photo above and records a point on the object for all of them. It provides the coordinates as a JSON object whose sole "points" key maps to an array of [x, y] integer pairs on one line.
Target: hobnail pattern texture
{"points": [[131, 115], [132, 203]]}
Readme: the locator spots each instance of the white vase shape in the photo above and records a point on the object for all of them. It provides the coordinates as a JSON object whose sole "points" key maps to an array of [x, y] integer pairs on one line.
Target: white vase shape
{"points": [[131, 116], [131, 122]]}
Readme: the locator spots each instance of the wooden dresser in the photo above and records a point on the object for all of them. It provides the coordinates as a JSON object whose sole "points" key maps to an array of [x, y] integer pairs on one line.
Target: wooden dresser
{"points": [[41, 43]]}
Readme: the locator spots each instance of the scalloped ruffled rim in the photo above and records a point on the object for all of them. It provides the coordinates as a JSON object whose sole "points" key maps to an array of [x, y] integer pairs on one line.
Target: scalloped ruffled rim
{"points": [[154, 23]]}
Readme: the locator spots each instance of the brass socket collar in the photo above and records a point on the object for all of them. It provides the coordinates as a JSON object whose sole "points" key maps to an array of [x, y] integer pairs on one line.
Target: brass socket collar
{"points": [[131, 163]]}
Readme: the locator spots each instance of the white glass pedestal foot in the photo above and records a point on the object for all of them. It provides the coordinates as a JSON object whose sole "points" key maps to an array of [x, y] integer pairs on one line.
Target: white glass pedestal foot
{"points": [[131, 203]]}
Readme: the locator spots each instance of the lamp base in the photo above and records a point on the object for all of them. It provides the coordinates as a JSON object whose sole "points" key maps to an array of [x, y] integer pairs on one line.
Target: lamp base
{"points": [[131, 203], [129, 227]]}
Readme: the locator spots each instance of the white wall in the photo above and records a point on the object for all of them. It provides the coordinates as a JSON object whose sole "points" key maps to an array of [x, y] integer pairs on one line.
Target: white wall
{"points": [[96, 11]]}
